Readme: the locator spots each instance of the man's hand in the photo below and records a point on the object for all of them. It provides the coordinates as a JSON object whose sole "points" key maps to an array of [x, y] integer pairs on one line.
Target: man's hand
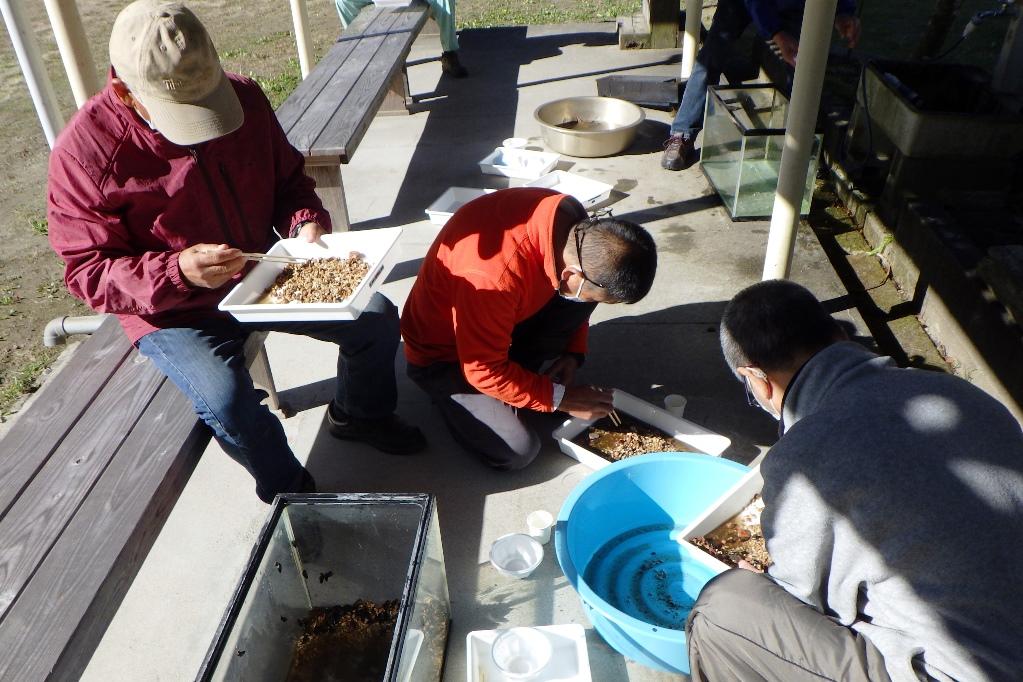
{"points": [[745, 565], [587, 402], [311, 232], [210, 265], [848, 27], [563, 369], [787, 46]]}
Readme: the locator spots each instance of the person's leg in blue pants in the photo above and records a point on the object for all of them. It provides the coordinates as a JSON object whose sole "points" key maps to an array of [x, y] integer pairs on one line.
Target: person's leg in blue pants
{"points": [[208, 366], [730, 20], [443, 12]]}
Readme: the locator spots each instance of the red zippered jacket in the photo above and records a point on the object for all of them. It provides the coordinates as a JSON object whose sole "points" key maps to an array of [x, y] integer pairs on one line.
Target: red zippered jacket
{"points": [[123, 201], [491, 267]]}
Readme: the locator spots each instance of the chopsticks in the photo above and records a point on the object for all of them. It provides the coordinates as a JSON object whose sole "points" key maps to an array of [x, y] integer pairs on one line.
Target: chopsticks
{"points": [[274, 258], [615, 419]]}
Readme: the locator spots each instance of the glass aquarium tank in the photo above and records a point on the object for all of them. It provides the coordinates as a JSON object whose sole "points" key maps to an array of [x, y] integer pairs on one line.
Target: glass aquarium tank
{"points": [[346, 588], [743, 137]]}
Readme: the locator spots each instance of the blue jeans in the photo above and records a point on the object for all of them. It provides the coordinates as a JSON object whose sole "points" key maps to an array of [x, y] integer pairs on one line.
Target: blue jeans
{"points": [[207, 363], [729, 23]]}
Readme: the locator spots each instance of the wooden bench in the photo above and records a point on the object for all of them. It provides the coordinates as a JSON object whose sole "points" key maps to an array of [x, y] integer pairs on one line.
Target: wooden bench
{"points": [[327, 115], [88, 475]]}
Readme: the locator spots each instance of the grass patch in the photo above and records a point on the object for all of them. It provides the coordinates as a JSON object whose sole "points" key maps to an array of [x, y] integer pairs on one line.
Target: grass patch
{"points": [[39, 225], [279, 85], [527, 12], [23, 381]]}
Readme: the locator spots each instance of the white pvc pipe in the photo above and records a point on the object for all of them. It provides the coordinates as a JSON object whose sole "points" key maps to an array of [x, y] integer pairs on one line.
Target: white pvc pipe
{"points": [[300, 17], [39, 85], [74, 48], [691, 38], [815, 38]]}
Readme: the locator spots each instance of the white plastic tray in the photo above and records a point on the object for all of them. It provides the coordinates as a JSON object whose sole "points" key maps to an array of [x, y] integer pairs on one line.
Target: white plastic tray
{"points": [[392, 3], [589, 192], [452, 200], [569, 660], [377, 246], [519, 163], [731, 502], [706, 441]]}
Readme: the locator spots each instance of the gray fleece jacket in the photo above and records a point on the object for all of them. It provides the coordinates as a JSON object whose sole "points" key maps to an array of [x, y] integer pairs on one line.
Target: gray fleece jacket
{"points": [[894, 503]]}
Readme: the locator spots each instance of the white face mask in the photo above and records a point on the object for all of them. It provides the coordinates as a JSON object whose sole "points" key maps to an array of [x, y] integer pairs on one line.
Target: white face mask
{"points": [[575, 298]]}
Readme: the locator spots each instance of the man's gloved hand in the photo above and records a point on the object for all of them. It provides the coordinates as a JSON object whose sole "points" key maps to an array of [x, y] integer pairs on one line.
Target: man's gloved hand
{"points": [[210, 265], [587, 402], [563, 369], [788, 47]]}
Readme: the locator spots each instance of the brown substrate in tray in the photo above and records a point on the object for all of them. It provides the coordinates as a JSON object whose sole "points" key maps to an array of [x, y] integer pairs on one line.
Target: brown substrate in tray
{"points": [[347, 643], [321, 280], [632, 438], [738, 538]]}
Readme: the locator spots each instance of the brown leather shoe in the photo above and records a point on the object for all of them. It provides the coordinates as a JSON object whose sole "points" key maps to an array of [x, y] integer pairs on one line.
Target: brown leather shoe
{"points": [[450, 65], [679, 153]]}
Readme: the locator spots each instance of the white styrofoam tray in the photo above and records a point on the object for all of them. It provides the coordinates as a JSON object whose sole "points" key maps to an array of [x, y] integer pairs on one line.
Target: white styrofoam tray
{"points": [[376, 246], [589, 192], [518, 163], [392, 3], [569, 660], [730, 503], [704, 440], [452, 200]]}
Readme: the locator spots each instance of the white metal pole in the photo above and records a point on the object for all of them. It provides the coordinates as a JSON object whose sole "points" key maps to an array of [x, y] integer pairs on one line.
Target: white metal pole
{"points": [[691, 39], [39, 85], [300, 17], [74, 48], [814, 41], [1008, 73]]}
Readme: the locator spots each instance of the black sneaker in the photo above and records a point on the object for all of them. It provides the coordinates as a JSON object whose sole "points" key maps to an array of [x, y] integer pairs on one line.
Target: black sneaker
{"points": [[678, 153], [388, 434], [450, 65]]}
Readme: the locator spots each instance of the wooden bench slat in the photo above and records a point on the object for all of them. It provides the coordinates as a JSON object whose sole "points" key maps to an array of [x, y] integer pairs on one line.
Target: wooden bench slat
{"points": [[34, 522], [335, 100], [343, 132], [38, 431], [89, 570], [321, 77]]}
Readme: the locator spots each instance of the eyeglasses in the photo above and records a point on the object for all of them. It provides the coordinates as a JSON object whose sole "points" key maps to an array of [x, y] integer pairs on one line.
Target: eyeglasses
{"points": [[580, 235], [750, 398]]}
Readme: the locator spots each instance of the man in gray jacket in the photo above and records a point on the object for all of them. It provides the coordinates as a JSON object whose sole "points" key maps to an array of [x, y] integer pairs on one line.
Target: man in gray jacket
{"points": [[893, 514]]}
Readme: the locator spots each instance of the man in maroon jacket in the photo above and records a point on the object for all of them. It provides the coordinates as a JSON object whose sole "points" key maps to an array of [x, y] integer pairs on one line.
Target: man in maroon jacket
{"points": [[156, 187]]}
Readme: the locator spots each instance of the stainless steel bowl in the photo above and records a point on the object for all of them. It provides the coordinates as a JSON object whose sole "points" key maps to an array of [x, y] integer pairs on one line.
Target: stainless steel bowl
{"points": [[588, 126]]}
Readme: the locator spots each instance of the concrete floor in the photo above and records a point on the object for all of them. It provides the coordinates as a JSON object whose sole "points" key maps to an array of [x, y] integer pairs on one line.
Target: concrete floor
{"points": [[667, 343]]}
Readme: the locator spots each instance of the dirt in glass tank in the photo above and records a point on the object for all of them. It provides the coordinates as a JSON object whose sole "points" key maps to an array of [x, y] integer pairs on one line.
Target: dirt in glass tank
{"points": [[347, 643]]}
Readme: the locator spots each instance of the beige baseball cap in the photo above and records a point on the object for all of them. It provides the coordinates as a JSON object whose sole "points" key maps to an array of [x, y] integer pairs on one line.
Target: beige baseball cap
{"points": [[165, 56]]}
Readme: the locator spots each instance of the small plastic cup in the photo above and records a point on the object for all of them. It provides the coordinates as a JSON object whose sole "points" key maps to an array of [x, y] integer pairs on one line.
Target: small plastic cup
{"points": [[521, 653], [539, 523], [514, 143], [516, 555], [675, 404]]}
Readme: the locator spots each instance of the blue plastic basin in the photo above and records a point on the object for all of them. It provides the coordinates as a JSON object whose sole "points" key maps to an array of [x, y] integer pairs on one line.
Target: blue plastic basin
{"points": [[615, 544]]}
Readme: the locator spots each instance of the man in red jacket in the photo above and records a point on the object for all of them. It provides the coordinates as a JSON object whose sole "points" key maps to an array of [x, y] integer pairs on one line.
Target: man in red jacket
{"points": [[156, 187], [498, 316]]}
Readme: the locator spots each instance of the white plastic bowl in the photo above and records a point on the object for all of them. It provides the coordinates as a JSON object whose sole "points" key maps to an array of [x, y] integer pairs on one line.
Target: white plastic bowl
{"points": [[521, 653], [516, 555]]}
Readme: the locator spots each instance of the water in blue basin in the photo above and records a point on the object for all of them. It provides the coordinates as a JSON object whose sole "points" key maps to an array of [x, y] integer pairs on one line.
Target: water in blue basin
{"points": [[644, 574]]}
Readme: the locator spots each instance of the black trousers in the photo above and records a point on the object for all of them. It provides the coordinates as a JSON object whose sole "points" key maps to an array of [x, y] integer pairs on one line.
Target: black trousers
{"points": [[484, 426], [746, 627]]}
